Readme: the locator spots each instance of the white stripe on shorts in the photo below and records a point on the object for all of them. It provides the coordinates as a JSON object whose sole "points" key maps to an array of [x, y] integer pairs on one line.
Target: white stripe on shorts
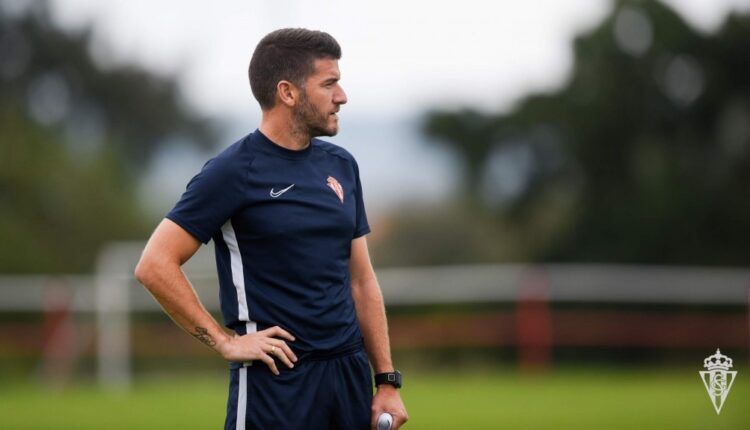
{"points": [[241, 399]]}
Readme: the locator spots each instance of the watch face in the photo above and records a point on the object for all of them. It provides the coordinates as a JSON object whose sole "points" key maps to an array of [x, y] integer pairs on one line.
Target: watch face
{"points": [[390, 378]]}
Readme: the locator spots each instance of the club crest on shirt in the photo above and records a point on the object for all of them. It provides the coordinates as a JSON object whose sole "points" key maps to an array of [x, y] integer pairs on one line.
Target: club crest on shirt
{"points": [[336, 187]]}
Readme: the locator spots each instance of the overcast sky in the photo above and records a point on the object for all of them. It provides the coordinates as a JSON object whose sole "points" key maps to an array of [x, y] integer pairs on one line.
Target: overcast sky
{"points": [[399, 56]]}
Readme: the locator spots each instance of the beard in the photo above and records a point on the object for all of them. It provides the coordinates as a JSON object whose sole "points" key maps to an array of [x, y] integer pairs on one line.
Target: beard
{"points": [[310, 121]]}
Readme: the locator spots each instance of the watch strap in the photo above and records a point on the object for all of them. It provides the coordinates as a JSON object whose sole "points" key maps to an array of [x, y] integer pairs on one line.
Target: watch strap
{"points": [[389, 378]]}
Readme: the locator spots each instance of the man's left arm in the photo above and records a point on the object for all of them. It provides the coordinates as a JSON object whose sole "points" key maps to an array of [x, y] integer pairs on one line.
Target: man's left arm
{"points": [[368, 301]]}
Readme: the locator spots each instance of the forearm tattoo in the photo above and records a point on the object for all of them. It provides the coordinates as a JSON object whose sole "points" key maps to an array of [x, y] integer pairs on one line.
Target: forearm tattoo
{"points": [[202, 335]]}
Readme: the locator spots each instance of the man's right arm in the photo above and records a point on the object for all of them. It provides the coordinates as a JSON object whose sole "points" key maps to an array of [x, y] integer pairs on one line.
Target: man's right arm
{"points": [[160, 271]]}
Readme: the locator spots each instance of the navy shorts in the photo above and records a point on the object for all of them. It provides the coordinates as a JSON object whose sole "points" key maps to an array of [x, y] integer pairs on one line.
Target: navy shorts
{"points": [[321, 392]]}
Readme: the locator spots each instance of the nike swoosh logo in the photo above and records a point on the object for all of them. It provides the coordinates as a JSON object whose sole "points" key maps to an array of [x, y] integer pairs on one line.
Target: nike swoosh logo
{"points": [[275, 194]]}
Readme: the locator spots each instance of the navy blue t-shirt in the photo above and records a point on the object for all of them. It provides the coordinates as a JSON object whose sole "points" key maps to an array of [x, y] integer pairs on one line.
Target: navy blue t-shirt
{"points": [[282, 222]]}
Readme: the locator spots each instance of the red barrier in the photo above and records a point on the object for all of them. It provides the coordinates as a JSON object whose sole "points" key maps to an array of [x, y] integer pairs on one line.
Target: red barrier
{"points": [[59, 346], [534, 323]]}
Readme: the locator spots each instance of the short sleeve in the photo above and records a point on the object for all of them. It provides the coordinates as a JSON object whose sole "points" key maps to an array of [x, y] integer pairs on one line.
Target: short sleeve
{"points": [[361, 227], [211, 198]]}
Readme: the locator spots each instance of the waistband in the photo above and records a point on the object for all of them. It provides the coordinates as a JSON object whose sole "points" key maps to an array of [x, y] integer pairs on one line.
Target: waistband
{"points": [[318, 355]]}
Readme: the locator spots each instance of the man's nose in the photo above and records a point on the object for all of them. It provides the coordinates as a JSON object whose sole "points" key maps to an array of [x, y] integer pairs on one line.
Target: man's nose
{"points": [[339, 97]]}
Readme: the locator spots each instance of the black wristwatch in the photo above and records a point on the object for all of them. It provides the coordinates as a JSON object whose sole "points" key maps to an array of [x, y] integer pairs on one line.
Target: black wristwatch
{"points": [[389, 378]]}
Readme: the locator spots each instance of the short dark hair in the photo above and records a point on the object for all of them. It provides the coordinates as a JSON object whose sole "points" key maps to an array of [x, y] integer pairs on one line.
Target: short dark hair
{"points": [[287, 54]]}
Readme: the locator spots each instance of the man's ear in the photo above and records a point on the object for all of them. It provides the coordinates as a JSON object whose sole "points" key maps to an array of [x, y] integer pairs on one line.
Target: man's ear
{"points": [[288, 93]]}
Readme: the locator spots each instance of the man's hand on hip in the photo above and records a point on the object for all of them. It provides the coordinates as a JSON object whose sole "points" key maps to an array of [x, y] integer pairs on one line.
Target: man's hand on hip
{"points": [[262, 345]]}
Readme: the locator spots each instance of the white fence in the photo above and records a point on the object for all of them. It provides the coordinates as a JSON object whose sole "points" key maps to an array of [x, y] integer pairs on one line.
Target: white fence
{"points": [[112, 293]]}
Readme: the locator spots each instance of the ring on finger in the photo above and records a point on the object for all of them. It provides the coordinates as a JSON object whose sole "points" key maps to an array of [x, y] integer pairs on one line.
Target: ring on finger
{"points": [[273, 349]]}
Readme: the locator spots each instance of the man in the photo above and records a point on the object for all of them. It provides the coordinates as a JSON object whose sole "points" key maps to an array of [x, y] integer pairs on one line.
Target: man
{"points": [[297, 288]]}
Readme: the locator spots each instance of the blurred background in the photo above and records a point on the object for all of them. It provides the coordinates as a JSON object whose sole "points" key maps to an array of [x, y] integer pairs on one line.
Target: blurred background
{"points": [[558, 193]]}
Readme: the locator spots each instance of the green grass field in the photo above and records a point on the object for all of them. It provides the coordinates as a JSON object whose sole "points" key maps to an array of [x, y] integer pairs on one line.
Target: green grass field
{"points": [[563, 399]]}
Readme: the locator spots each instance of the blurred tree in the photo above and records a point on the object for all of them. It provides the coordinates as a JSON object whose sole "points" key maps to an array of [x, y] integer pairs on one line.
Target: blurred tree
{"points": [[74, 135], [642, 157], [469, 134]]}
